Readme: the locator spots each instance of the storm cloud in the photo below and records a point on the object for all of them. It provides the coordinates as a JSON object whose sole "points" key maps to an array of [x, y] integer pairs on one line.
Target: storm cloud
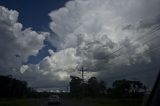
{"points": [[109, 36], [111, 39]]}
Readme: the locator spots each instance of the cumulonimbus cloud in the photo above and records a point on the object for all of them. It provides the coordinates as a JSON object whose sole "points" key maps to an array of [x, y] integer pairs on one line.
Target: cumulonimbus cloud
{"points": [[88, 33], [98, 28]]}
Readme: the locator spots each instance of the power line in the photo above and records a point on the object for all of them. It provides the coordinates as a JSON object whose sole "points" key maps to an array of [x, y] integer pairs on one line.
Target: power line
{"points": [[133, 73], [143, 44], [154, 30], [147, 52], [148, 33], [150, 40], [127, 74]]}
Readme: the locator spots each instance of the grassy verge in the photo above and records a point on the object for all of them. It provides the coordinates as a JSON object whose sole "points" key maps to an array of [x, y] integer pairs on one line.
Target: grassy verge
{"points": [[89, 101], [18, 102], [115, 102]]}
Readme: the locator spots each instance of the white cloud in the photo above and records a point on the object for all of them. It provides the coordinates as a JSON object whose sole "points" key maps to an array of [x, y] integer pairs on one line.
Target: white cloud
{"points": [[54, 70], [95, 29], [23, 68], [87, 32], [16, 43], [60, 64]]}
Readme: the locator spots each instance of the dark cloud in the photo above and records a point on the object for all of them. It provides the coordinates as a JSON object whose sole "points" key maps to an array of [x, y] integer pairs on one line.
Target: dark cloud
{"points": [[148, 23], [128, 27]]}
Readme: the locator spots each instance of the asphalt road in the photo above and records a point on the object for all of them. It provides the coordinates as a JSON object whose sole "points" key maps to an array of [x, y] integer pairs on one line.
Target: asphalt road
{"points": [[65, 102]]}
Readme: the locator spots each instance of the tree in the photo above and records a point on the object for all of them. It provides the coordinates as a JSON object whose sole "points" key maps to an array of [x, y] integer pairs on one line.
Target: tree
{"points": [[121, 87], [11, 87], [75, 85], [137, 87], [127, 88], [102, 87], [93, 87]]}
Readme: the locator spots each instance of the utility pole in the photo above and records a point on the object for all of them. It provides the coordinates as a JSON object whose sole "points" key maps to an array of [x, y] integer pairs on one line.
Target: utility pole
{"points": [[82, 73], [82, 70], [82, 83]]}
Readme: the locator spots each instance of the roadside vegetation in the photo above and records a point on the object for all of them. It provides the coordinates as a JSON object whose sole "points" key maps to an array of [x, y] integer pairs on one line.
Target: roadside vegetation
{"points": [[14, 92], [115, 101], [122, 93], [94, 88], [13, 88], [17, 102]]}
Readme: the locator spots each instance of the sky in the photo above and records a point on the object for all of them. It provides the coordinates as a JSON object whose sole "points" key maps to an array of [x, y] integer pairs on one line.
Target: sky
{"points": [[45, 41]]}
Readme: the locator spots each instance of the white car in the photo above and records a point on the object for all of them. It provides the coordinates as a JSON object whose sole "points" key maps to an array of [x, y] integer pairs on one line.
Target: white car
{"points": [[54, 99]]}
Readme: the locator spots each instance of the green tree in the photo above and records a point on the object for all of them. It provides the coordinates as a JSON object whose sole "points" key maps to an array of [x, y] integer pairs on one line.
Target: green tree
{"points": [[127, 88], [75, 86], [12, 87], [137, 87], [102, 87], [93, 87], [121, 87]]}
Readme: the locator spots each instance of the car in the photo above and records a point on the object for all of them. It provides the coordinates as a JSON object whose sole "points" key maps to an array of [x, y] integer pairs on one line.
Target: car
{"points": [[54, 99]]}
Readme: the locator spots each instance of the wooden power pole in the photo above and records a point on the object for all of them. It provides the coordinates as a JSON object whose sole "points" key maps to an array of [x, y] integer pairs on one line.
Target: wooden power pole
{"points": [[82, 70]]}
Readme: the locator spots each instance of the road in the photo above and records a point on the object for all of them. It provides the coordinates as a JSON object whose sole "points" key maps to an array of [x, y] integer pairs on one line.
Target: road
{"points": [[65, 102]]}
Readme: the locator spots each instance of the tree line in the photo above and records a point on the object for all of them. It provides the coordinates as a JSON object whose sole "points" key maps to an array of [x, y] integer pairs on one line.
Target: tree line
{"points": [[94, 88], [12, 87]]}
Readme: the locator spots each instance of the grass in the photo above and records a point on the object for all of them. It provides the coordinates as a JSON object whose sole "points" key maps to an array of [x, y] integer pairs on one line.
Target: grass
{"points": [[89, 101], [115, 102], [18, 102]]}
